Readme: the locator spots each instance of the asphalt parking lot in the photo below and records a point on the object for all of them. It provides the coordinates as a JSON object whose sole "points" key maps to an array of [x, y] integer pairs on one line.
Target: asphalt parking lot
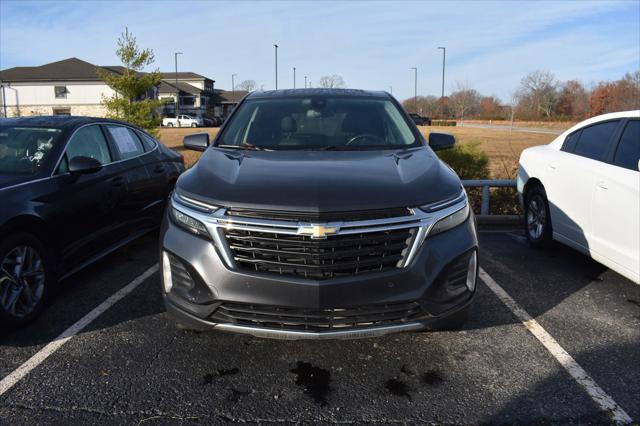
{"points": [[133, 366]]}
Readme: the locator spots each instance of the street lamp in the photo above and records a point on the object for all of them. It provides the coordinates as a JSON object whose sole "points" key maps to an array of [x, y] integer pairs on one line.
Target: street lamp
{"points": [[294, 77], [175, 57], [276, 46], [391, 89], [444, 55], [305, 81], [233, 86], [415, 88]]}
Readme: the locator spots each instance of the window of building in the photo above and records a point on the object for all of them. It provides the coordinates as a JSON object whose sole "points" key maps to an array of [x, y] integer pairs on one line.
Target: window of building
{"points": [[61, 111], [60, 91]]}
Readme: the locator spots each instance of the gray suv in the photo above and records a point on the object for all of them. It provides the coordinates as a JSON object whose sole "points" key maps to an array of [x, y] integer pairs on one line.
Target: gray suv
{"points": [[319, 213]]}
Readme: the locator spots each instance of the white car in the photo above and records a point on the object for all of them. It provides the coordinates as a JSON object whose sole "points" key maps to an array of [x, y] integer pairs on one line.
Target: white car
{"points": [[183, 121], [583, 190]]}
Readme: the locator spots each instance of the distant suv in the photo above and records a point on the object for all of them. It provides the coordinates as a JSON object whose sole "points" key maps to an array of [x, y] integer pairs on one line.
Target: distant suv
{"points": [[420, 120], [319, 213]]}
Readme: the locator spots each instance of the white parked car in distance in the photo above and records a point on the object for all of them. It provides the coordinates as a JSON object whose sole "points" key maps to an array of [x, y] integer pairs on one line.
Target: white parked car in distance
{"points": [[183, 121], [583, 190]]}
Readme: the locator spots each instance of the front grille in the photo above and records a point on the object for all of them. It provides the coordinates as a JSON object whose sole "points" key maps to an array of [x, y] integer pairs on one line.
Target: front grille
{"points": [[319, 216], [336, 256], [316, 320]]}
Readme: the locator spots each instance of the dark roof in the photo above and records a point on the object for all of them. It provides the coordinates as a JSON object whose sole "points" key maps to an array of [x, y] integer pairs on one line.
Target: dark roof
{"points": [[166, 87], [68, 69], [183, 75], [228, 96], [54, 121], [324, 92]]}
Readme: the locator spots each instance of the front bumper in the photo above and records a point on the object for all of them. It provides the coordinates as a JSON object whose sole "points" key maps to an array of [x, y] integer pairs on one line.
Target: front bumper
{"points": [[423, 281]]}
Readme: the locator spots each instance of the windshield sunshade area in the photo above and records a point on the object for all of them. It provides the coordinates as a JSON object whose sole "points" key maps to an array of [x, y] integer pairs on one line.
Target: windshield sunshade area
{"points": [[318, 123], [24, 150]]}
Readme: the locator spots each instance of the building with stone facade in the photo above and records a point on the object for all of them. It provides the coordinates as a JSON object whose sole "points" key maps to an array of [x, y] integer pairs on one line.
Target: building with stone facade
{"points": [[72, 87]]}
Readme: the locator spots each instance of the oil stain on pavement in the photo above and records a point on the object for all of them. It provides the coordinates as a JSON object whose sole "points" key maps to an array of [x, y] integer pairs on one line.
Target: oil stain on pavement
{"points": [[398, 388], [432, 378], [315, 381], [221, 372]]}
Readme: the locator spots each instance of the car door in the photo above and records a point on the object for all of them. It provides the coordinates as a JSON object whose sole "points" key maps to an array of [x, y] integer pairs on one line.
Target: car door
{"points": [[160, 173], [88, 206], [141, 195], [569, 181], [616, 204]]}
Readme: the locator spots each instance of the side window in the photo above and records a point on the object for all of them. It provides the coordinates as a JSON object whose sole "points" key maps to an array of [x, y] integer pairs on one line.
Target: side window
{"points": [[594, 140], [127, 142], [89, 141], [628, 151], [148, 142], [570, 141]]}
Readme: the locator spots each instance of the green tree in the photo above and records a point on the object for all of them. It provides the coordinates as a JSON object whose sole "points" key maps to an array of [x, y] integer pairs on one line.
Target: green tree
{"points": [[133, 101]]}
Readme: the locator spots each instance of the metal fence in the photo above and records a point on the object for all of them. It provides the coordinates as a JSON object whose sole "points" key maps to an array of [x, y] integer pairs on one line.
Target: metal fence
{"points": [[485, 215]]}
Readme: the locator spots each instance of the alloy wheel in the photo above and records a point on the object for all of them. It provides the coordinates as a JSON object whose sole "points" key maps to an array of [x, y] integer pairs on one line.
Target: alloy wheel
{"points": [[536, 217], [22, 281]]}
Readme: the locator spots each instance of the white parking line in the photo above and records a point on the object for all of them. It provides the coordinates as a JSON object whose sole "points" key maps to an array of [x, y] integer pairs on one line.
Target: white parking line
{"points": [[597, 394], [17, 375]]}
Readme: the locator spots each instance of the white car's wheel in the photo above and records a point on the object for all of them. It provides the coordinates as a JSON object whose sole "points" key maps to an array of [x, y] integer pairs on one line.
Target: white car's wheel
{"points": [[537, 217], [194, 125], [169, 124]]}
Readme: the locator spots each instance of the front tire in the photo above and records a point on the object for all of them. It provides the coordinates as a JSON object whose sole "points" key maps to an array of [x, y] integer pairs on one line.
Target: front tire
{"points": [[169, 124], [194, 125], [26, 278], [537, 217]]}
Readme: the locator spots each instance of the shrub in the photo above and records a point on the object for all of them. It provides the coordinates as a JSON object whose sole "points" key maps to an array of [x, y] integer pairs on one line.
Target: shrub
{"points": [[467, 160], [443, 123]]}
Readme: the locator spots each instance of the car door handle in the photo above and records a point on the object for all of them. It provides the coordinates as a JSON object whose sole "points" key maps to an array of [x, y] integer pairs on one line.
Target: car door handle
{"points": [[602, 185], [552, 166], [117, 181], [159, 169]]}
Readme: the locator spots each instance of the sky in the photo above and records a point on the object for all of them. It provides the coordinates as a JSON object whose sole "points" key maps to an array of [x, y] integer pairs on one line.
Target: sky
{"points": [[372, 45]]}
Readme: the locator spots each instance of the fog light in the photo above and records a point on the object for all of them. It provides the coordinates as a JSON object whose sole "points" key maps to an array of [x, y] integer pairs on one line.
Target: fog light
{"points": [[166, 272], [472, 271]]}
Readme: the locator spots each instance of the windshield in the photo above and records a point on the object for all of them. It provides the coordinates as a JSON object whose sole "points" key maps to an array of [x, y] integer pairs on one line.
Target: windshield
{"points": [[23, 150], [318, 122]]}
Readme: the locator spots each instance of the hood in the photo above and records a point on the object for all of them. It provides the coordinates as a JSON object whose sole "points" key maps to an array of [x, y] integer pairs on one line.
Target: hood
{"points": [[10, 180], [319, 181]]}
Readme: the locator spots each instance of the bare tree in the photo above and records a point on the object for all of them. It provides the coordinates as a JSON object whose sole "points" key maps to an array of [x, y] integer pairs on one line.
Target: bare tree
{"points": [[247, 85], [465, 100], [331, 81], [539, 92]]}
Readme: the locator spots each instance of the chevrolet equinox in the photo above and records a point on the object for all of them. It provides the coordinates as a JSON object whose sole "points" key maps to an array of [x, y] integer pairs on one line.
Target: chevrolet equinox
{"points": [[319, 213]]}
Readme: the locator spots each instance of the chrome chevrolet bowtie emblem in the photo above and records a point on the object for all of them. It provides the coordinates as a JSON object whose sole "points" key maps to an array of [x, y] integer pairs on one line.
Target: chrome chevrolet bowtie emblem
{"points": [[317, 232]]}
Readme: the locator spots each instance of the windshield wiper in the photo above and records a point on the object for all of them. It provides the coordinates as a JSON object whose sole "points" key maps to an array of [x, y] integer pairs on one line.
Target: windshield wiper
{"points": [[349, 148], [246, 146]]}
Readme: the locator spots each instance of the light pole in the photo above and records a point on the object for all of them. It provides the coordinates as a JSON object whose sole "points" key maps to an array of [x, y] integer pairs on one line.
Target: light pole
{"points": [[391, 89], [175, 57], [233, 86], [305, 81], [415, 88], [444, 55], [294, 77], [276, 46]]}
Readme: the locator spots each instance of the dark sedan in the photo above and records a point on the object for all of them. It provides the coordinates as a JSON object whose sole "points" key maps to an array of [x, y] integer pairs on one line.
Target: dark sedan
{"points": [[72, 189]]}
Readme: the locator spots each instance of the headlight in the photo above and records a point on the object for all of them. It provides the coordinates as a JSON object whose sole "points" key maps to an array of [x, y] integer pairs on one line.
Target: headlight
{"points": [[188, 223], [451, 221]]}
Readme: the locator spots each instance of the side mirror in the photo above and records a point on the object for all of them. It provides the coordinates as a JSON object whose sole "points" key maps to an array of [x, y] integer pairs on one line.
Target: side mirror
{"points": [[440, 141], [196, 141], [84, 165]]}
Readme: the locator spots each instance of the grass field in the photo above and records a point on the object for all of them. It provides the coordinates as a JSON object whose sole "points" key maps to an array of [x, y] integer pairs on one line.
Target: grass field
{"points": [[502, 147]]}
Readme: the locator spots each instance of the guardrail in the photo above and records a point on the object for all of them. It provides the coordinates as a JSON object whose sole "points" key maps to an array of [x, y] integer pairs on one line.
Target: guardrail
{"points": [[485, 217]]}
